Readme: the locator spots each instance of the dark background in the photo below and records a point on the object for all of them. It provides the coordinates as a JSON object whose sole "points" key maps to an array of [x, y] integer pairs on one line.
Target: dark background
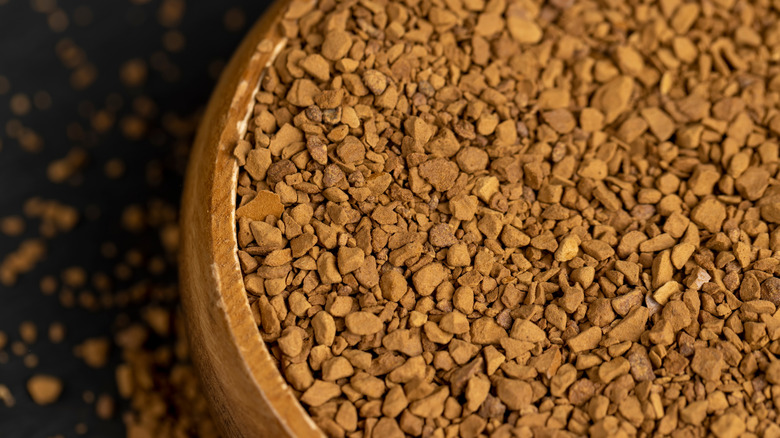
{"points": [[183, 46]]}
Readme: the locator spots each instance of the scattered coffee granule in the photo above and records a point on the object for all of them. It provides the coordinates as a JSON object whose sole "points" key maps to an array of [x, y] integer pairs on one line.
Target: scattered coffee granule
{"points": [[114, 103], [44, 389], [159, 372], [19, 348], [65, 168], [234, 19], [94, 352], [55, 217], [28, 332], [114, 168], [88, 397], [26, 256], [56, 332], [12, 226], [133, 72], [105, 406], [515, 218], [81, 428], [20, 104], [42, 100], [30, 360], [6, 397], [5, 85]]}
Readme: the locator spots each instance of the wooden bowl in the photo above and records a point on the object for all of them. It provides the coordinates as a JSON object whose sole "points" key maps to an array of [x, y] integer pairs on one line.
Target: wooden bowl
{"points": [[247, 393]]}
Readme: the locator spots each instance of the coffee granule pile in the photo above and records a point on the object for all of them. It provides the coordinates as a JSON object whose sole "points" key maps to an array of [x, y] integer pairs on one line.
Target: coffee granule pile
{"points": [[519, 218]]}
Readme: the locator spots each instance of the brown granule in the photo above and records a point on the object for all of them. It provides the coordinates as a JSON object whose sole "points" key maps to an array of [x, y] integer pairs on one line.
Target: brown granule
{"points": [[114, 168], [94, 352], [6, 397], [57, 332], [29, 253], [12, 226], [42, 100], [28, 332], [234, 19], [30, 360], [58, 21], [5, 85], [133, 72], [19, 348], [55, 217], [515, 218], [105, 406], [20, 104], [61, 170], [44, 389]]}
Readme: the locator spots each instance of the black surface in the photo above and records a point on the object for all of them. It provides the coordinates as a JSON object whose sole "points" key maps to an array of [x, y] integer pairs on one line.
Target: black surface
{"points": [[119, 30]]}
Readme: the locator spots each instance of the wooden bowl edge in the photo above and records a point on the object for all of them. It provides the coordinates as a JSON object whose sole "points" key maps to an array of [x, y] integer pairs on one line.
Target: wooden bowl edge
{"points": [[245, 389]]}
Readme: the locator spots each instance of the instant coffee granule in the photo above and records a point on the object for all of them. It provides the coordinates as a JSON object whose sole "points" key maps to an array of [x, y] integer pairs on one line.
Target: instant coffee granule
{"points": [[518, 218]]}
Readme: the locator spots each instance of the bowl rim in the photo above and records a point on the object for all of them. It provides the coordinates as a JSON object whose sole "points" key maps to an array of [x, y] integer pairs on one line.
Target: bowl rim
{"points": [[245, 389]]}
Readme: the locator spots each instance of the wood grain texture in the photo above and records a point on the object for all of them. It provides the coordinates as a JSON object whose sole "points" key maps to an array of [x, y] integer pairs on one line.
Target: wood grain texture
{"points": [[247, 393]]}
